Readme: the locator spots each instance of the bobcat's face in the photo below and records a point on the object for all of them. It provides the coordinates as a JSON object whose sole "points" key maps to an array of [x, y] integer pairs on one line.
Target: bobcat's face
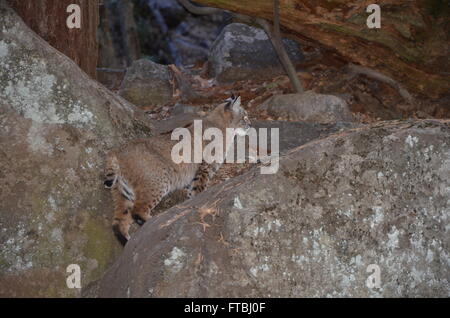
{"points": [[240, 119], [230, 115]]}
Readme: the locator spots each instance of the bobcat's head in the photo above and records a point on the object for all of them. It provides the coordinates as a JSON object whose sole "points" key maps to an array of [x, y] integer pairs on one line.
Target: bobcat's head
{"points": [[231, 115]]}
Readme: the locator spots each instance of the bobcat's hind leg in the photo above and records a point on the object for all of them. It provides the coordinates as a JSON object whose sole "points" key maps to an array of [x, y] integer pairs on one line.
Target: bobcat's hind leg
{"points": [[122, 217], [204, 174], [141, 213]]}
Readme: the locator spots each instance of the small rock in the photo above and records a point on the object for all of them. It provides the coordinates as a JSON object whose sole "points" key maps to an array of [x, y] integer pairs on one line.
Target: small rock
{"points": [[244, 52], [309, 106], [146, 83]]}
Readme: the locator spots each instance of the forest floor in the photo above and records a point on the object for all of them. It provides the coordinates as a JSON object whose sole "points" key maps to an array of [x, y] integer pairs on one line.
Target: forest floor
{"points": [[369, 100]]}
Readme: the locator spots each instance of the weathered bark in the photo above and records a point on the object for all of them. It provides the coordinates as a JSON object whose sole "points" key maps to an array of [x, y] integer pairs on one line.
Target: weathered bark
{"points": [[117, 21], [111, 69], [48, 19], [411, 46], [107, 57]]}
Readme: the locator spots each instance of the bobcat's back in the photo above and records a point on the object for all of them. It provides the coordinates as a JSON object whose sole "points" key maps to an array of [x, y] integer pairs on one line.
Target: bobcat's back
{"points": [[148, 164]]}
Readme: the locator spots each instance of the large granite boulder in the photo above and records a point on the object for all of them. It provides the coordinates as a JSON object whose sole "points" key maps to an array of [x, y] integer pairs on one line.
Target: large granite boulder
{"points": [[147, 83], [55, 126], [308, 106], [377, 195], [243, 52]]}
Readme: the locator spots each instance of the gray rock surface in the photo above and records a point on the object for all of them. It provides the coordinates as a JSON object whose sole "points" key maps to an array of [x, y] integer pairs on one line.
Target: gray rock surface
{"points": [[308, 106], [295, 134], [243, 52], [146, 83], [373, 195], [55, 126], [181, 116]]}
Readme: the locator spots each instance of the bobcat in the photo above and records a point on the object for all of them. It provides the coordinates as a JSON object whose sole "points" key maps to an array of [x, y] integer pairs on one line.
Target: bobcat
{"points": [[143, 172]]}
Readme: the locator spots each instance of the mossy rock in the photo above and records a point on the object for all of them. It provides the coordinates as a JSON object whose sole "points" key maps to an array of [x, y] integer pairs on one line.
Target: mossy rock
{"points": [[56, 124]]}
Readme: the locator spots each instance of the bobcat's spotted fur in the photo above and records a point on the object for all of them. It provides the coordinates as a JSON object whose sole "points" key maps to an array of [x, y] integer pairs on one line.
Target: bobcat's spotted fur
{"points": [[142, 173]]}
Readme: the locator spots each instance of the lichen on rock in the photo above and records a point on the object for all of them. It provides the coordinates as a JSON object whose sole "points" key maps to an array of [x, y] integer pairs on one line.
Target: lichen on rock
{"points": [[56, 125], [337, 206]]}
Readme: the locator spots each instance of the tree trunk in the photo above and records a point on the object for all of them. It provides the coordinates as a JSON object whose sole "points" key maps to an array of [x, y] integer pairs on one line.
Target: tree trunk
{"points": [[411, 46], [128, 27], [111, 67], [48, 19]]}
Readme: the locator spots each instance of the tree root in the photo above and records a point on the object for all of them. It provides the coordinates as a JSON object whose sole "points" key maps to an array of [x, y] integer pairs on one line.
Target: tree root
{"points": [[198, 10], [357, 69], [274, 35]]}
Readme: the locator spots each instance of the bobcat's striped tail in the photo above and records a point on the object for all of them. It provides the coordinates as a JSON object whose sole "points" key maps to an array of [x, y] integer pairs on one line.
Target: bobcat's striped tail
{"points": [[112, 172], [113, 178]]}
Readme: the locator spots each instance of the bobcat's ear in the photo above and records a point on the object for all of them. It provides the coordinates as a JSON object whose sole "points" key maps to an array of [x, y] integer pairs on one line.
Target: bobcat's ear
{"points": [[236, 105], [229, 101], [233, 104]]}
